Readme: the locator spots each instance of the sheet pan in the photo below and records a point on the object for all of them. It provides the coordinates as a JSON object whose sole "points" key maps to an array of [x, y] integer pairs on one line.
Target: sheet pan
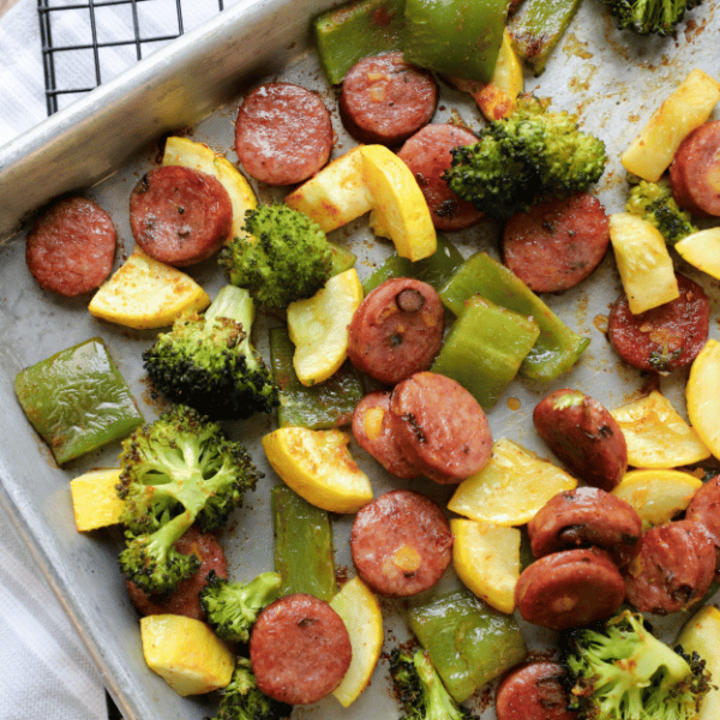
{"points": [[104, 142]]}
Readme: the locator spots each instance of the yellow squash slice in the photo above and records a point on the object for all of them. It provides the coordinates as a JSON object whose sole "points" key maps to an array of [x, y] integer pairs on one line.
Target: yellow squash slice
{"points": [[702, 397], [702, 250], [360, 611], [511, 488], [95, 500], [318, 466], [656, 435], [144, 293]]}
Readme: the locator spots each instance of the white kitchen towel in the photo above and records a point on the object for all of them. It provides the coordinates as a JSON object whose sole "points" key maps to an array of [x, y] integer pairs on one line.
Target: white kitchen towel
{"points": [[47, 672]]}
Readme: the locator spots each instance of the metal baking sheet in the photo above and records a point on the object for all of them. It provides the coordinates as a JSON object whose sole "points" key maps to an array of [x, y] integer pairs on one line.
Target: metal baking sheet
{"points": [[105, 141]]}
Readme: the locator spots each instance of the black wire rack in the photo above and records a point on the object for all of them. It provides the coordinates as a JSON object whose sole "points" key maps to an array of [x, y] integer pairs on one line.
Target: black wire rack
{"points": [[65, 51]]}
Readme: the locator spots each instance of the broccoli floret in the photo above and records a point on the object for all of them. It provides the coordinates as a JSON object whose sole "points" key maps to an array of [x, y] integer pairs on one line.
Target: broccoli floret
{"points": [[208, 362], [654, 202], [286, 258], [179, 470], [531, 155], [420, 689], [233, 607], [645, 17], [242, 700], [621, 671]]}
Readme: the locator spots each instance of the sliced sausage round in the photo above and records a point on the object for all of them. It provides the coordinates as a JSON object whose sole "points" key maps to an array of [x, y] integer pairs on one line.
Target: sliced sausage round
{"points": [[586, 517], [283, 133], [584, 436], [557, 243], [569, 588], [372, 431], [184, 599], [674, 569], [179, 216], [534, 691], [663, 338], [695, 171], [705, 509], [385, 99], [71, 248], [440, 427], [299, 649], [427, 154], [401, 543], [397, 330]]}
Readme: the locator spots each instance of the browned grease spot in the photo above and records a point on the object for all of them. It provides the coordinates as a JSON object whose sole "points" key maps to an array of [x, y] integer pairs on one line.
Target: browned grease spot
{"points": [[600, 322], [513, 403]]}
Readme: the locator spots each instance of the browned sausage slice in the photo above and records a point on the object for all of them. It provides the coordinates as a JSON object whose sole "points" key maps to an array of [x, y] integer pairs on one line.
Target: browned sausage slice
{"points": [[184, 600], [283, 133], [397, 330], [385, 100], [427, 154], [674, 569], [666, 337], [299, 649], [179, 216], [372, 431], [584, 436], [557, 243], [401, 543], [534, 691], [695, 171], [705, 509], [586, 517], [440, 427], [569, 588], [71, 248]]}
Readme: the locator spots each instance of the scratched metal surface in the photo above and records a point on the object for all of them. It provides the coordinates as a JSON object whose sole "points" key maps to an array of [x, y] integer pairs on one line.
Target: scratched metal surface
{"points": [[102, 145]]}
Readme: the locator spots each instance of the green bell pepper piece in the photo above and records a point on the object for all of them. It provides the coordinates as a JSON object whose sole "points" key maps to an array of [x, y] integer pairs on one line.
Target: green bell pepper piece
{"points": [[356, 30], [557, 348], [469, 642], [325, 405], [434, 270], [342, 259], [77, 400], [537, 28], [304, 555], [485, 347], [455, 37]]}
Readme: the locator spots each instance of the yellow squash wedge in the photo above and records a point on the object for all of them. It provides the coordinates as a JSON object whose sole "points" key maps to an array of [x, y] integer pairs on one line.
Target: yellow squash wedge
{"points": [[702, 397], [95, 500]]}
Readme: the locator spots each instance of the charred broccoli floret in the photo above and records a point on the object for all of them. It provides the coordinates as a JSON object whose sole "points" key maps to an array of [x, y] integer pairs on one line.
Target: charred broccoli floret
{"points": [[179, 470], [420, 689], [286, 256], [531, 155], [654, 202], [621, 671], [208, 361], [232, 607], [646, 17], [242, 700]]}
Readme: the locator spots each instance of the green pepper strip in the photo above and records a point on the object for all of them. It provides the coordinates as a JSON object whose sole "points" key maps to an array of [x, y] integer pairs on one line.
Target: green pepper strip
{"points": [[304, 555], [557, 348], [537, 28], [469, 642], [325, 405], [356, 30], [77, 400], [485, 347]]}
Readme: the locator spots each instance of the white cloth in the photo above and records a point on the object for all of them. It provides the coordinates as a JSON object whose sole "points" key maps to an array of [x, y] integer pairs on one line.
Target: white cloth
{"points": [[47, 672]]}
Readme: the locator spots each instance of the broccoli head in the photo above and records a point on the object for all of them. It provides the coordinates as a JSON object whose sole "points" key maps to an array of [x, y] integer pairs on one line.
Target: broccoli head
{"points": [[621, 671], [420, 689], [654, 202], [528, 156], [646, 17], [208, 362], [179, 470], [242, 700], [232, 607], [286, 256]]}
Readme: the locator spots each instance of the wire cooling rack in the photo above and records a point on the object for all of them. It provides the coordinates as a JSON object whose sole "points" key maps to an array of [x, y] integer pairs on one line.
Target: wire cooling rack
{"points": [[73, 35]]}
